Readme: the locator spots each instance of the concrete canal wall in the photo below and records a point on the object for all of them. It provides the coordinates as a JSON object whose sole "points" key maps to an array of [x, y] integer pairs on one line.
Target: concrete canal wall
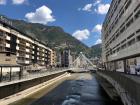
{"points": [[12, 88], [126, 86]]}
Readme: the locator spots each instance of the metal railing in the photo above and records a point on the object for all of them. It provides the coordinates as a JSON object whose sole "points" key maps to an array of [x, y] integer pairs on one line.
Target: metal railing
{"points": [[30, 75]]}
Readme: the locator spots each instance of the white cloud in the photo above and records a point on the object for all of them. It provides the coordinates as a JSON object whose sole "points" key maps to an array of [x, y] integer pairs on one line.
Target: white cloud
{"points": [[97, 2], [98, 41], [87, 7], [42, 15], [3, 2], [81, 34], [97, 28], [97, 6], [18, 1], [102, 8]]}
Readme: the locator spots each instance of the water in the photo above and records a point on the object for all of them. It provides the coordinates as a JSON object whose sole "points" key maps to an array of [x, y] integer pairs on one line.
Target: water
{"points": [[79, 89]]}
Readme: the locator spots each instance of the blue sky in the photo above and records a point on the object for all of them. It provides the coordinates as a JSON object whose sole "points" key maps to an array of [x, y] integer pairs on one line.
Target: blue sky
{"points": [[80, 18]]}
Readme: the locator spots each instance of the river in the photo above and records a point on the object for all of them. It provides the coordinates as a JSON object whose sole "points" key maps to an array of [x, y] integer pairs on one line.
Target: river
{"points": [[78, 89]]}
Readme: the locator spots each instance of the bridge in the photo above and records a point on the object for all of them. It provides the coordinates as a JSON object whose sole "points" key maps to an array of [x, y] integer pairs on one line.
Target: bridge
{"points": [[82, 63], [116, 84]]}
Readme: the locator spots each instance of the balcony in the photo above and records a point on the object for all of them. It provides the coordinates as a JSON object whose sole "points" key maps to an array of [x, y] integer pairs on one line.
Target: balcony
{"points": [[17, 41], [7, 45], [17, 47], [8, 37], [27, 44], [27, 62], [27, 50], [27, 56]]}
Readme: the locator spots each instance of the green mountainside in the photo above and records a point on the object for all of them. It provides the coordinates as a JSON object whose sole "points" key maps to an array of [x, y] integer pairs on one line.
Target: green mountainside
{"points": [[54, 37], [96, 50]]}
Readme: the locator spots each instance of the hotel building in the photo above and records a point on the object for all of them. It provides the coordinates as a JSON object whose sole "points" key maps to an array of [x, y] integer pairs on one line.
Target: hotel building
{"points": [[121, 36], [18, 48]]}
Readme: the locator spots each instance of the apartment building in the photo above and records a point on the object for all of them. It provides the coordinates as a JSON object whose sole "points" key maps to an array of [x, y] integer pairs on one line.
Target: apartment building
{"points": [[53, 57], [121, 36], [65, 58], [18, 48]]}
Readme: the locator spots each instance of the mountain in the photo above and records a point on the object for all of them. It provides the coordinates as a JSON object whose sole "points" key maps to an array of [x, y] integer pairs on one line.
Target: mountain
{"points": [[54, 36], [96, 50]]}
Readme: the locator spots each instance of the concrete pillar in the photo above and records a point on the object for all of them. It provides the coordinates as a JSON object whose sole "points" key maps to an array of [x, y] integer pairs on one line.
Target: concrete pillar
{"points": [[114, 65], [125, 68], [10, 73], [20, 72], [1, 75]]}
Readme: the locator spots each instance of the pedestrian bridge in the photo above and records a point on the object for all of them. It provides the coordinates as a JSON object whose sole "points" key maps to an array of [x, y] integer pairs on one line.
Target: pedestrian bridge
{"points": [[82, 63]]}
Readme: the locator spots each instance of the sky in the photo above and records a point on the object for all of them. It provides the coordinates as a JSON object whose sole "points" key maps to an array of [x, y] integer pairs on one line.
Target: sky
{"points": [[83, 19]]}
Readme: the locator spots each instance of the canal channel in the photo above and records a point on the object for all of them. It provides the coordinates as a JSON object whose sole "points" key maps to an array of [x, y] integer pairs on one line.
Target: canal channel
{"points": [[78, 89]]}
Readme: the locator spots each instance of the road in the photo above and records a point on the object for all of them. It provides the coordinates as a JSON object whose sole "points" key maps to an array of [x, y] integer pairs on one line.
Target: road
{"points": [[78, 89]]}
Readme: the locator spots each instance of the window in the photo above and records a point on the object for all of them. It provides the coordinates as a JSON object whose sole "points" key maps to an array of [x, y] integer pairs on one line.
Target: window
{"points": [[128, 4], [121, 13], [123, 41], [122, 30], [8, 54], [116, 21], [110, 30], [138, 38], [137, 8], [138, 31], [123, 46], [137, 15], [111, 15], [129, 22], [115, 51], [118, 49], [119, 1], [115, 7], [131, 36], [131, 42], [113, 24], [118, 45], [113, 39], [117, 34], [129, 16]]}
